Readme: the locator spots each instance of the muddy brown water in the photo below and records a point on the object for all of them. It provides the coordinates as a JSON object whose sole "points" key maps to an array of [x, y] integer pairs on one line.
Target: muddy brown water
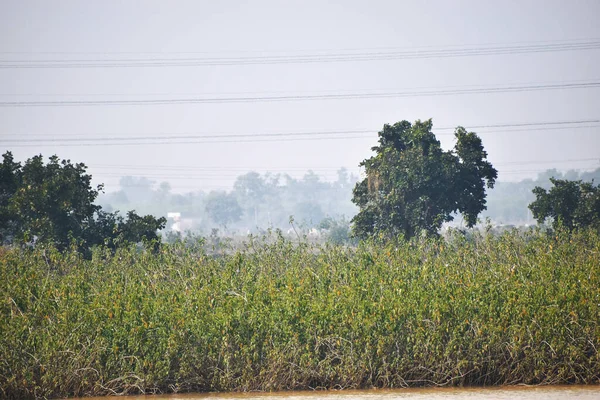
{"points": [[499, 393]]}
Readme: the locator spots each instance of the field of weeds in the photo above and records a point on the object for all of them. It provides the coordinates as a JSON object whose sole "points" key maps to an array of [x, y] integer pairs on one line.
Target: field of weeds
{"points": [[278, 315]]}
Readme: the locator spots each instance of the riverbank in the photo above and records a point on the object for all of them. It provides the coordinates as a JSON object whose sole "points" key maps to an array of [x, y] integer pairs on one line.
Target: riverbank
{"points": [[554, 392], [517, 308]]}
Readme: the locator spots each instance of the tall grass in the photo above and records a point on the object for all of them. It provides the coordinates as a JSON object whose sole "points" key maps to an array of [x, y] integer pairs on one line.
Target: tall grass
{"points": [[516, 308]]}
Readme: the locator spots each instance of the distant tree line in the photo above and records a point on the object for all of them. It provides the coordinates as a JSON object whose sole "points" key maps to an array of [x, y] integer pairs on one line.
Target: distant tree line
{"points": [[411, 184], [411, 187], [256, 202]]}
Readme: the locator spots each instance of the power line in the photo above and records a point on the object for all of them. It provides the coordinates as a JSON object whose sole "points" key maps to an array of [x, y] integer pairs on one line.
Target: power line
{"points": [[208, 169], [182, 137], [252, 92], [297, 97], [176, 187], [215, 168], [188, 173], [281, 134], [313, 50], [210, 186], [259, 138], [239, 141], [191, 174], [523, 171], [233, 178], [590, 44], [597, 159], [283, 139], [156, 171]]}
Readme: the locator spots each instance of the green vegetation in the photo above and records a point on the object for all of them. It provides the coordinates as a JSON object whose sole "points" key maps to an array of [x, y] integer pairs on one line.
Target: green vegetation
{"points": [[507, 202], [515, 308], [53, 204], [223, 208], [310, 200], [266, 201], [413, 186], [572, 204], [86, 310]]}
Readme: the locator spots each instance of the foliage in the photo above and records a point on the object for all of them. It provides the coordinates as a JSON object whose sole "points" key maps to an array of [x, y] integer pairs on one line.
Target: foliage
{"points": [[10, 178], [53, 204], [309, 213], [338, 230], [283, 196], [573, 204], [266, 201], [251, 190], [223, 208], [113, 230], [511, 309], [507, 202], [414, 185]]}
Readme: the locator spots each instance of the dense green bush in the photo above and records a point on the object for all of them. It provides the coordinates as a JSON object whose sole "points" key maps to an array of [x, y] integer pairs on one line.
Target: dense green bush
{"points": [[516, 308], [53, 204]]}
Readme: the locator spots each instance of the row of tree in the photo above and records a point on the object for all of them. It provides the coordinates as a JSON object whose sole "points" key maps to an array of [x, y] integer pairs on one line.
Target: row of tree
{"points": [[262, 201], [256, 201], [412, 187]]}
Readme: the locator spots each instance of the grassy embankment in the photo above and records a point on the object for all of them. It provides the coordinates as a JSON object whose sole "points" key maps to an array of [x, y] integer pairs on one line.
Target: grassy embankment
{"points": [[503, 310]]}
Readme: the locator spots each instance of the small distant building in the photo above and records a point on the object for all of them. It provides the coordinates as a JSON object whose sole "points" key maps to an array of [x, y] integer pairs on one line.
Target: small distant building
{"points": [[176, 217]]}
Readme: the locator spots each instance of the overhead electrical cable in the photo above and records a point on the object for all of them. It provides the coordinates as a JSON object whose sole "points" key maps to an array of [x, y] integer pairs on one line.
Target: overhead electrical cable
{"points": [[259, 140], [284, 136], [178, 177], [300, 97], [281, 134], [304, 51], [252, 93], [330, 57], [218, 177], [218, 169], [292, 139]]}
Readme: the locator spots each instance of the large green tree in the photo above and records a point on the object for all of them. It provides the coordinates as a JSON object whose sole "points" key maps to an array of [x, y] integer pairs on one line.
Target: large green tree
{"points": [[54, 203], [51, 202], [412, 185], [572, 204]]}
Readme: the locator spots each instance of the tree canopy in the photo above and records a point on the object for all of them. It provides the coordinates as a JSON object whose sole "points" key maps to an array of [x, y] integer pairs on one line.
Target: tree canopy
{"points": [[54, 203], [413, 185], [572, 204], [223, 208]]}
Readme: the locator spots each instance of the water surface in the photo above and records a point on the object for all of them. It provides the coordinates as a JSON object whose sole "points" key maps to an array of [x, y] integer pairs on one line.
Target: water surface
{"points": [[501, 393]]}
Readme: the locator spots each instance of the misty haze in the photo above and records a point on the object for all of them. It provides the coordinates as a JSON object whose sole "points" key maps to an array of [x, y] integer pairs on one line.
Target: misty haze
{"points": [[230, 196]]}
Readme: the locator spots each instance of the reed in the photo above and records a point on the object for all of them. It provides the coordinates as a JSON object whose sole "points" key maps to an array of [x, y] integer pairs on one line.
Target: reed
{"points": [[283, 315]]}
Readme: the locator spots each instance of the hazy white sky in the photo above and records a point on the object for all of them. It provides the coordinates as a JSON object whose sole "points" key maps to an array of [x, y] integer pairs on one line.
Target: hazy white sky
{"points": [[109, 30]]}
